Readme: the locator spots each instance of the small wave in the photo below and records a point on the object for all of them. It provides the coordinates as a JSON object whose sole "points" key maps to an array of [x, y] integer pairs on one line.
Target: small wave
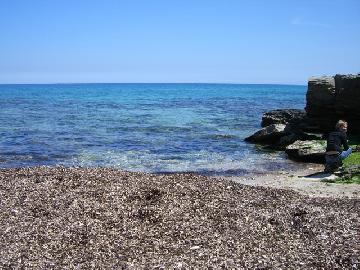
{"points": [[203, 162], [221, 137]]}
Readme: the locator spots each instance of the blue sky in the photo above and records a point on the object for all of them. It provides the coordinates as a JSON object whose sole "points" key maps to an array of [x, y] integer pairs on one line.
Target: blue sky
{"points": [[254, 41]]}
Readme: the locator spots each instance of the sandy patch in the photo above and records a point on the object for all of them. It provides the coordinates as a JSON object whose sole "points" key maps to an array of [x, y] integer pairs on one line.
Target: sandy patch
{"points": [[308, 180]]}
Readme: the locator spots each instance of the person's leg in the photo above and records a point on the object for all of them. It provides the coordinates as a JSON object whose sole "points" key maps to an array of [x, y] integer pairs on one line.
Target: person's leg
{"points": [[345, 154], [333, 162]]}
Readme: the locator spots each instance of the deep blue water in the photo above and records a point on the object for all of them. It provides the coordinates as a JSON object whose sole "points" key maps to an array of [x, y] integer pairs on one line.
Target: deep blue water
{"points": [[141, 127]]}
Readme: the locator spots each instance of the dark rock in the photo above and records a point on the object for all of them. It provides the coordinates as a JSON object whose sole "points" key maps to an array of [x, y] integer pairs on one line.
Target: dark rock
{"points": [[296, 120], [311, 136], [332, 98], [320, 103], [269, 134], [347, 104], [278, 136], [307, 151], [282, 116], [287, 140], [329, 99], [320, 94]]}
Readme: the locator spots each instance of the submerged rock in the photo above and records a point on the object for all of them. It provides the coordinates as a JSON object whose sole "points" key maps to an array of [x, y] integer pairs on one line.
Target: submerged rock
{"points": [[307, 151]]}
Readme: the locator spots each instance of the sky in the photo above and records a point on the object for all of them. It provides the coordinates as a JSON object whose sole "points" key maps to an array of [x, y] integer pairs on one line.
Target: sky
{"points": [[158, 41]]}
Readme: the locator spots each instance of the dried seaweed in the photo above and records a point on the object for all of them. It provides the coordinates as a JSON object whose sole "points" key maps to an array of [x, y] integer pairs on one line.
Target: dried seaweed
{"points": [[97, 218]]}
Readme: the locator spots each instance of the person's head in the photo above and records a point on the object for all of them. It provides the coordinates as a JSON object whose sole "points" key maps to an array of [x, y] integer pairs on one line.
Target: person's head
{"points": [[341, 125]]}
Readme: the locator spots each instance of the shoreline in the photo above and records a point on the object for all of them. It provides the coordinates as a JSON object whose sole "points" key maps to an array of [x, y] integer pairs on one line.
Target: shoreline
{"points": [[307, 180]]}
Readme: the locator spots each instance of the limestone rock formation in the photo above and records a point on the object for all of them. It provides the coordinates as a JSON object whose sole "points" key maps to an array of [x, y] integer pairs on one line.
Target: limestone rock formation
{"points": [[282, 116], [329, 99], [307, 151], [332, 98], [347, 104], [269, 134], [275, 136], [320, 103]]}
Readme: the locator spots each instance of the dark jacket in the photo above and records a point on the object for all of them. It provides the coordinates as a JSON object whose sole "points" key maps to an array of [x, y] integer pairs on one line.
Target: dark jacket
{"points": [[335, 140]]}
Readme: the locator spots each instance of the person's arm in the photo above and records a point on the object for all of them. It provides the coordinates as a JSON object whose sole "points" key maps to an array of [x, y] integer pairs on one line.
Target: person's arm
{"points": [[344, 142]]}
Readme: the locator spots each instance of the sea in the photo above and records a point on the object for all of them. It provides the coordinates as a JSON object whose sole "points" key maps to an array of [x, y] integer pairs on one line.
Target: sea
{"points": [[158, 128]]}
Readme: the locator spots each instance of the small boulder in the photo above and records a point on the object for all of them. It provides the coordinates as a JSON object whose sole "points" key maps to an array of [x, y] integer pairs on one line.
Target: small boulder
{"points": [[282, 116], [307, 151], [269, 134]]}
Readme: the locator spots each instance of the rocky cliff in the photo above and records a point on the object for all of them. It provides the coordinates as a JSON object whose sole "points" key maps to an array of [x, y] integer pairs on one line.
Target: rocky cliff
{"points": [[332, 98], [298, 132]]}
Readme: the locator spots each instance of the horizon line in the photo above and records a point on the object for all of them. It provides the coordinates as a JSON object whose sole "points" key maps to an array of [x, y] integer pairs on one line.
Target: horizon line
{"points": [[72, 83]]}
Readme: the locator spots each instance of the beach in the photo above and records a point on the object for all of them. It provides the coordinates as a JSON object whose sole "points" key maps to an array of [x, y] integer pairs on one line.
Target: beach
{"points": [[307, 179], [91, 218], [179, 135]]}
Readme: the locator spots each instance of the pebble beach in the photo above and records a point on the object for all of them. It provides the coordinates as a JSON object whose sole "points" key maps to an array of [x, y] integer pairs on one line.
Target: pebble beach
{"points": [[102, 218], [179, 135]]}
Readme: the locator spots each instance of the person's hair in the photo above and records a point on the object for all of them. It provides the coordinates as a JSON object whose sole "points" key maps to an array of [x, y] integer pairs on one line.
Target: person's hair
{"points": [[340, 124]]}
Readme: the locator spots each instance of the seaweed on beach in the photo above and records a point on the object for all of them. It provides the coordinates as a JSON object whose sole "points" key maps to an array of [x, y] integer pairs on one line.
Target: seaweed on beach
{"points": [[97, 218]]}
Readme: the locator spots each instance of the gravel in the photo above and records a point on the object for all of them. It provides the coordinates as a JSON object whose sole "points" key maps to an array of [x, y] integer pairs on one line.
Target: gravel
{"points": [[101, 218]]}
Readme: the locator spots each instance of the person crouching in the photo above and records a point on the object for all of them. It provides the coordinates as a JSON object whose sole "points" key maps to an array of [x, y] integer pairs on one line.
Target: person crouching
{"points": [[337, 148]]}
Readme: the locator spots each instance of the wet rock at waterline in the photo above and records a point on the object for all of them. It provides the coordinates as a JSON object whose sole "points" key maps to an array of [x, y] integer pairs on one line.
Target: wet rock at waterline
{"points": [[269, 134], [307, 151]]}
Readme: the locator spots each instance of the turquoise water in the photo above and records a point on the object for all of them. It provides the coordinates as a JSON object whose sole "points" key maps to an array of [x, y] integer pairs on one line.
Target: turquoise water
{"points": [[141, 127]]}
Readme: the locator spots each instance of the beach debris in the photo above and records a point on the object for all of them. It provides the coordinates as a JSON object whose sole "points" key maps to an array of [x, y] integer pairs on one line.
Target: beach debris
{"points": [[103, 218]]}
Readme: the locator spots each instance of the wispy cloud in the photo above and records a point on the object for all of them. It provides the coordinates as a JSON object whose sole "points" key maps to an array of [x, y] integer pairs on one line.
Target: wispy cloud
{"points": [[303, 22]]}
